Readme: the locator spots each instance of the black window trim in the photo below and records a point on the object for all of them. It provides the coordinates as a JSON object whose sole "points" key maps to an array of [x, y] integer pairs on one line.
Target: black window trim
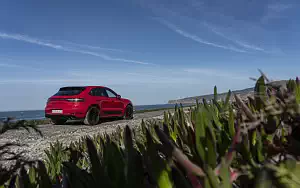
{"points": [[73, 87]]}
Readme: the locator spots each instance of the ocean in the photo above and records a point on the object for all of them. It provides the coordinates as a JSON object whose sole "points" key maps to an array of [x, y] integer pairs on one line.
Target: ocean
{"points": [[39, 114]]}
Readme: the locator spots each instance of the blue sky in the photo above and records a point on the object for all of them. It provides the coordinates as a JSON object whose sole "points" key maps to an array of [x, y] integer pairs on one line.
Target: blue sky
{"points": [[148, 51]]}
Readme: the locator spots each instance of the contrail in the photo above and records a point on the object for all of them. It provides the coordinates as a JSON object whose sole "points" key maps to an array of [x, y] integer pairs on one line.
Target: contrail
{"points": [[36, 41]]}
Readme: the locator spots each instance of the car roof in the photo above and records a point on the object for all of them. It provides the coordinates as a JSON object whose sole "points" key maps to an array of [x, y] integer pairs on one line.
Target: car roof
{"points": [[84, 87], [93, 86]]}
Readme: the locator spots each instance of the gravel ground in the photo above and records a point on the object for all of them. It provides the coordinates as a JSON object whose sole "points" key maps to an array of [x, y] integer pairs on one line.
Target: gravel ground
{"points": [[35, 144]]}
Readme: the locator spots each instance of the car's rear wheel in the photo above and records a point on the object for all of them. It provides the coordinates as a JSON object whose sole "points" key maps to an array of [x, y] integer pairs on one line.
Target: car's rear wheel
{"points": [[58, 121], [128, 112], [92, 117]]}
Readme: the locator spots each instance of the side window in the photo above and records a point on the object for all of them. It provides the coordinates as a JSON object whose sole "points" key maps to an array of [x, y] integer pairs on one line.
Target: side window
{"points": [[110, 94], [93, 92], [101, 92]]}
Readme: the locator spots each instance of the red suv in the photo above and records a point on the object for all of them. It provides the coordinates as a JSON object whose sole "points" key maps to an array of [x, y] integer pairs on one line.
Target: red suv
{"points": [[88, 103]]}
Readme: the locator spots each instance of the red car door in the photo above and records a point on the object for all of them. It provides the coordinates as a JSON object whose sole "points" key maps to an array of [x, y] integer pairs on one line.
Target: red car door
{"points": [[101, 98], [116, 105]]}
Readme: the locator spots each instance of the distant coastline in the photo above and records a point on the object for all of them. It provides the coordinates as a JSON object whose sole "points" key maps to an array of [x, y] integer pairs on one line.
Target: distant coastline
{"points": [[39, 114], [192, 100]]}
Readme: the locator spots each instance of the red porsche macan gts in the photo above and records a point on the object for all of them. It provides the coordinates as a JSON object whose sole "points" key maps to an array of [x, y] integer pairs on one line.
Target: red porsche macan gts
{"points": [[89, 103]]}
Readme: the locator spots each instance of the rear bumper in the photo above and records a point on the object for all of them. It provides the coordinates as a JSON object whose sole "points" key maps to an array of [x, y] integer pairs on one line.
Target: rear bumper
{"points": [[67, 117], [73, 113]]}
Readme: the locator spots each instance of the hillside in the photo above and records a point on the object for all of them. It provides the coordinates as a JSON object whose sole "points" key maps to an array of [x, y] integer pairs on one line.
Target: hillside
{"points": [[243, 93]]}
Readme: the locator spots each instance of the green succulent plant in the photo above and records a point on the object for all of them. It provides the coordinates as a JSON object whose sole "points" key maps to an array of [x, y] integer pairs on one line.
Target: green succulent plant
{"points": [[234, 142]]}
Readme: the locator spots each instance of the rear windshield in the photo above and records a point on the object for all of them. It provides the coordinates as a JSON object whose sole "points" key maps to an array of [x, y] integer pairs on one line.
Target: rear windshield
{"points": [[68, 91]]}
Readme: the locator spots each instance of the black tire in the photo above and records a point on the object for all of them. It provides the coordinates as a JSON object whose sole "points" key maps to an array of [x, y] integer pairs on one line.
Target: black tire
{"points": [[128, 112], [92, 117], [58, 121]]}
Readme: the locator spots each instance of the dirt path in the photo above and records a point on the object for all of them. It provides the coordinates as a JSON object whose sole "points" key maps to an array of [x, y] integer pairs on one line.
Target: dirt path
{"points": [[35, 144]]}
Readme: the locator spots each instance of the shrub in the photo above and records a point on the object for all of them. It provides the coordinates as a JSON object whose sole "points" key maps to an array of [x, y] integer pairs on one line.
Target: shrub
{"points": [[218, 143]]}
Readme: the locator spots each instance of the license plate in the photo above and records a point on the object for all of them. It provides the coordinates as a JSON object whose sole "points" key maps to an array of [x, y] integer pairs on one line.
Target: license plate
{"points": [[57, 111]]}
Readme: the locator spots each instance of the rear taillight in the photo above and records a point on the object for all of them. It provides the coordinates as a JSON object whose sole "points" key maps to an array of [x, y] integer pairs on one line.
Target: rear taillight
{"points": [[75, 100]]}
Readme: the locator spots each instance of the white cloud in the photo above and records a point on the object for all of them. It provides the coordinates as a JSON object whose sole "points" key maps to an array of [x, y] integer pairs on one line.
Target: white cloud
{"points": [[95, 47], [10, 65], [121, 77], [249, 46], [279, 7], [106, 57], [16, 66], [238, 42], [44, 81], [31, 40], [187, 14], [198, 39], [275, 11], [216, 73]]}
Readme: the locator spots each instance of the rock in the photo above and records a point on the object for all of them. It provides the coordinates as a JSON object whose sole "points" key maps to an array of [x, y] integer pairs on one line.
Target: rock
{"points": [[35, 145]]}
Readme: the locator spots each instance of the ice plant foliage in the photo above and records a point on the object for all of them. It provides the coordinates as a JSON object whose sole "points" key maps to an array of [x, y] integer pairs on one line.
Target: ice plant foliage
{"points": [[253, 142]]}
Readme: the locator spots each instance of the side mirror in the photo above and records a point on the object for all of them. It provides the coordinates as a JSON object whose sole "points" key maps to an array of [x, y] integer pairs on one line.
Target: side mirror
{"points": [[118, 96]]}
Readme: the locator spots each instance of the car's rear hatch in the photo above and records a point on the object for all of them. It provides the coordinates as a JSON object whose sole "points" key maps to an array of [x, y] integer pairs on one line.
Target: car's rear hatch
{"points": [[66, 95]]}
